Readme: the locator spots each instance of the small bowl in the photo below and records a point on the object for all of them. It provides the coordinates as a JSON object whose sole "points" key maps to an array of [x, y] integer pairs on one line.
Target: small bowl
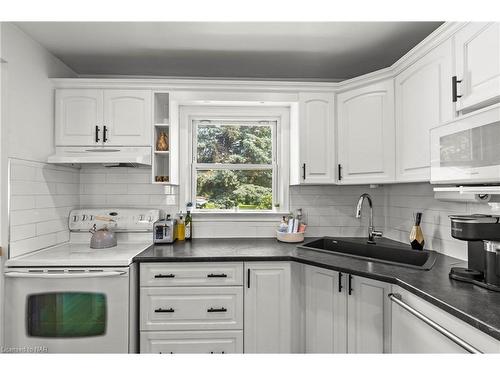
{"points": [[290, 237]]}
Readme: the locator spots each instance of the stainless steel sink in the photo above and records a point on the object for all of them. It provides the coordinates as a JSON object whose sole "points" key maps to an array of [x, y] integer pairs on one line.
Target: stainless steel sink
{"points": [[384, 251]]}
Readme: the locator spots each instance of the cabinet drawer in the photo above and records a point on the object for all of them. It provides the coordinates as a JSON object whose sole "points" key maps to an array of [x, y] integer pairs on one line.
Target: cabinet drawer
{"points": [[210, 342], [186, 308], [191, 274]]}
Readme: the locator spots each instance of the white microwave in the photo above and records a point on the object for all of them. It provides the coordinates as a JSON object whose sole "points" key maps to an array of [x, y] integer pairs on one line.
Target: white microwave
{"points": [[467, 150]]}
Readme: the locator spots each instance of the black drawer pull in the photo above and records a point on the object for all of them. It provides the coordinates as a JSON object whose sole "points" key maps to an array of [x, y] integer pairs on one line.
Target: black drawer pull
{"points": [[160, 276], [340, 282], [222, 309], [170, 310], [350, 284], [216, 275]]}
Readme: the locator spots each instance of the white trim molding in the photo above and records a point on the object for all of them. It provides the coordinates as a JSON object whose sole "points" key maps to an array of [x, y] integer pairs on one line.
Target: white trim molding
{"points": [[190, 113]]}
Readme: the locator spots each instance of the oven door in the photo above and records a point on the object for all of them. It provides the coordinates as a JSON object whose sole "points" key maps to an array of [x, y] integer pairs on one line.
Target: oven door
{"points": [[67, 311], [467, 150]]}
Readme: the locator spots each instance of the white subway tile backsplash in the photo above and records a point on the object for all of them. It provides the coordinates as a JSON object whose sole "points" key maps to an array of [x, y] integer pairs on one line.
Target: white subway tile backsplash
{"points": [[123, 187], [22, 202], [41, 197], [21, 232]]}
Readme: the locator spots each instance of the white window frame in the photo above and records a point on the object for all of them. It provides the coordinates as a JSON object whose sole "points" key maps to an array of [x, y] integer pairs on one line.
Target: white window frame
{"points": [[190, 115]]}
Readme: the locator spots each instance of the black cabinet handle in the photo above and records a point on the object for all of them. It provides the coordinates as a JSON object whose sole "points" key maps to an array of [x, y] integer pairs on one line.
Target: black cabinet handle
{"points": [[160, 310], [340, 171], [248, 278], [350, 284], [104, 134], [97, 134], [454, 88], [161, 276], [216, 275], [304, 171], [222, 309], [340, 282]]}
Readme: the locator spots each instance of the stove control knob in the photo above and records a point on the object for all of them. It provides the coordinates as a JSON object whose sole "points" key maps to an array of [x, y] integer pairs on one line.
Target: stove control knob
{"points": [[75, 218], [91, 217], [150, 219], [141, 217], [84, 217]]}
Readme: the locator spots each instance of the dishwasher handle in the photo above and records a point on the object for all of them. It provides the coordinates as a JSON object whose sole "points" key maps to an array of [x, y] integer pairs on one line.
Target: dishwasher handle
{"points": [[397, 299], [63, 275]]}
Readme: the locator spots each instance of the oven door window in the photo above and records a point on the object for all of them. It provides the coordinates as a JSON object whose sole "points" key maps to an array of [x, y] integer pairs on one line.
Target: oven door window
{"points": [[66, 314]]}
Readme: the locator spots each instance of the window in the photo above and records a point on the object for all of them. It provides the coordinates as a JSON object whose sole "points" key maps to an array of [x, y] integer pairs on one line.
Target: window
{"points": [[234, 165]]}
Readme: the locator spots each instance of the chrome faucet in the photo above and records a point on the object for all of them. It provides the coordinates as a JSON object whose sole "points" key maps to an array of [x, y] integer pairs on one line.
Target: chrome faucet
{"points": [[372, 233]]}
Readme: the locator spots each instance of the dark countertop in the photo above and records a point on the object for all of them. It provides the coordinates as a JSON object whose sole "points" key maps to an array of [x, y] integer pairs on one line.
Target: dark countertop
{"points": [[472, 304]]}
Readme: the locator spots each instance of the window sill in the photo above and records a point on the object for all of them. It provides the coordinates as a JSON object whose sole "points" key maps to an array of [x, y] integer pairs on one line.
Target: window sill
{"points": [[271, 216]]}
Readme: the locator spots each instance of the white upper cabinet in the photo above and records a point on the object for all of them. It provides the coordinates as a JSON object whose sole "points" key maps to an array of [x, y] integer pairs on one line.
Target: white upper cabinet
{"points": [[127, 117], [366, 134], [423, 101], [86, 117], [267, 311], [315, 137], [79, 117], [477, 55]]}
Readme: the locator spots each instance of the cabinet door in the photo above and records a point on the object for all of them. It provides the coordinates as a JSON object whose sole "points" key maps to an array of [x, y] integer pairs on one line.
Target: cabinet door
{"points": [[79, 113], [369, 316], [316, 138], [326, 311], [477, 50], [267, 313], [127, 117], [366, 148], [423, 93]]}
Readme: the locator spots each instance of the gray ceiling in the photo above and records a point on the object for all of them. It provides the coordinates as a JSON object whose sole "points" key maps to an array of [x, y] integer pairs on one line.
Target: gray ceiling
{"points": [[327, 51]]}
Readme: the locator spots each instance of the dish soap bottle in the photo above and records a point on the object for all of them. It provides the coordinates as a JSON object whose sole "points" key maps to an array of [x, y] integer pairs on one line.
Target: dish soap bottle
{"points": [[181, 233], [188, 223], [416, 235]]}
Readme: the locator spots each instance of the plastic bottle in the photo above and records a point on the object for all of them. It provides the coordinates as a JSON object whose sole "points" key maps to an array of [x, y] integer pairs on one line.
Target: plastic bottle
{"points": [[181, 231]]}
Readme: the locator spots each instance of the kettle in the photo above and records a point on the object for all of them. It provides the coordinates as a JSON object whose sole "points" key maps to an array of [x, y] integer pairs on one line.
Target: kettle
{"points": [[104, 237]]}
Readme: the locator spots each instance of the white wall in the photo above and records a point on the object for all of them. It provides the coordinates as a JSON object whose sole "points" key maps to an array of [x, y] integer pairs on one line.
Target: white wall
{"points": [[27, 109], [29, 99]]}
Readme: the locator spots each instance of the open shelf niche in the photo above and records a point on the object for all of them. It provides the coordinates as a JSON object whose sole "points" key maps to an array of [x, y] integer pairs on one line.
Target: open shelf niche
{"points": [[163, 128]]}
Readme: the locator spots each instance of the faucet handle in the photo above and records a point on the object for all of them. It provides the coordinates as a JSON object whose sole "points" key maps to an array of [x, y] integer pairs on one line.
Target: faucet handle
{"points": [[377, 233]]}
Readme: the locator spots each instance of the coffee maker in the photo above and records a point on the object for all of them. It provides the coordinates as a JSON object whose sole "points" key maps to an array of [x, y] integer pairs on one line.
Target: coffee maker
{"points": [[483, 235]]}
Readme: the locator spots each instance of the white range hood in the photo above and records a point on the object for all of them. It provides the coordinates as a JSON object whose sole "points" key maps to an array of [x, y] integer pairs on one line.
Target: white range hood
{"points": [[107, 156]]}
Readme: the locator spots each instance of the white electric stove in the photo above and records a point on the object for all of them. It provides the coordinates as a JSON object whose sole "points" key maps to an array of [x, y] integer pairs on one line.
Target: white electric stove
{"points": [[73, 299]]}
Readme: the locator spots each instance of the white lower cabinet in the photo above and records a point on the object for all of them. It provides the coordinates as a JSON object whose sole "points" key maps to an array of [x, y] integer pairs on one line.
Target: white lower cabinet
{"points": [[326, 311], [346, 313], [268, 307], [199, 342], [191, 307], [369, 315], [410, 334]]}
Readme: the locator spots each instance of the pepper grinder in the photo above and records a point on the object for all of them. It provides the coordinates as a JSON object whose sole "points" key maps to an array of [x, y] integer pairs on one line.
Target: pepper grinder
{"points": [[416, 235]]}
